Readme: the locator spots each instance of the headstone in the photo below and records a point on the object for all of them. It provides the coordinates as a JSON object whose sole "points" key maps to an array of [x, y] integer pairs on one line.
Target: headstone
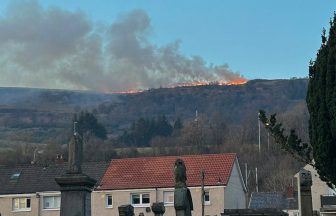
{"points": [[182, 197], [126, 210], [158, 209], [75, 186], [305, 196]]}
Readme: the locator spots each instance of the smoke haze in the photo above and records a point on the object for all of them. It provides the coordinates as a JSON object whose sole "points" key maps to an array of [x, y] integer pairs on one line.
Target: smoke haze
{"points": [[55, 48]]}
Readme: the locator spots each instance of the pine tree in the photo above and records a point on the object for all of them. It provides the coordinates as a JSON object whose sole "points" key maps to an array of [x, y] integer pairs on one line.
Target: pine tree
{"points": [[89, 126], [321, 102]]}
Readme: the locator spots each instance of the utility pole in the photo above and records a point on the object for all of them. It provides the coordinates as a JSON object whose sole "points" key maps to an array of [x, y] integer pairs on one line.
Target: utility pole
{"points": [[203, 192], [259, 132], [247, 175], [268, 141], [256, 176]]}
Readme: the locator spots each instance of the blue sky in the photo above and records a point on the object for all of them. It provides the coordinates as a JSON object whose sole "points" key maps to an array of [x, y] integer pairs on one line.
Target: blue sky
{"points": [[259, 39]]}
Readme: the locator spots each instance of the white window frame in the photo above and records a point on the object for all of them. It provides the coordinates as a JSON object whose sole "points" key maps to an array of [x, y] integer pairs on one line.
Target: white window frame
{"points": [[53, 207], [164, 198], [106, 201], [140, 204], [19, 209], [207, 202]]}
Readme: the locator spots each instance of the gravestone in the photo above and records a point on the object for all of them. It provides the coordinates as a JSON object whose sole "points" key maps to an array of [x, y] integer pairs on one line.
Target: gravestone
{"points": [[305, 196], [158, 209], [126, 210], [75, 186], [182, 197]]}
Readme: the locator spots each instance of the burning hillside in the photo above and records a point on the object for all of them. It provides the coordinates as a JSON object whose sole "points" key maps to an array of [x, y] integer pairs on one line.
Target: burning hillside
{"points": [[238, 81]]}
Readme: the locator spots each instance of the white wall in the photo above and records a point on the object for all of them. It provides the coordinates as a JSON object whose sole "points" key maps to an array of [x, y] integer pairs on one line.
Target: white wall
{"points": [[234, 193]]}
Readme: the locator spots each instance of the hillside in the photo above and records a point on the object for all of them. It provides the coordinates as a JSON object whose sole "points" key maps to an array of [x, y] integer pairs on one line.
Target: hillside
{"points": [[40, 115], [227, 122]]}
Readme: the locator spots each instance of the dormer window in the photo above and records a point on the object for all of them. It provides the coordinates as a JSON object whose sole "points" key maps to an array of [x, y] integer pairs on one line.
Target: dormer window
{"points": [[15, 176]]}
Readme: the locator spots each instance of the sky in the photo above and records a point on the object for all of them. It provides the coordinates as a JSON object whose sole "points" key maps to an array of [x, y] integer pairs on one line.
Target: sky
{"points": [[257, 39]]}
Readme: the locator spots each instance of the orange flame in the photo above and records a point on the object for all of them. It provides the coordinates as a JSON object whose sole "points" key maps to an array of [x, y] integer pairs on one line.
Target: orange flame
{"points": [[239, 81]]}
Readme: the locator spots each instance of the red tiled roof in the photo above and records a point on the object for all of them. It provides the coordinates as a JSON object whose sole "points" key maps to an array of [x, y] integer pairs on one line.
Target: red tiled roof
{"points": [[157, 172]]}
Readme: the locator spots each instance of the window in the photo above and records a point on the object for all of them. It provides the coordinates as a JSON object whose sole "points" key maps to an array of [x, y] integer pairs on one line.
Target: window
{"points": [[21, 204], [51, 202], [206, 198], [140, 199], [109, 201], [15, 176], [168, 197]]}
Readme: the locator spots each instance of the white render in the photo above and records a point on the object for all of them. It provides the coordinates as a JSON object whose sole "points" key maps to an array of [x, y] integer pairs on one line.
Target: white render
{"points": [[235, 196]]}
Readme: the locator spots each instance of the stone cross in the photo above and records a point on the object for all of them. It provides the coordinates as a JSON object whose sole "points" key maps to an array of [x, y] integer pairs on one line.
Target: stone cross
{"points": [[182, 197]]}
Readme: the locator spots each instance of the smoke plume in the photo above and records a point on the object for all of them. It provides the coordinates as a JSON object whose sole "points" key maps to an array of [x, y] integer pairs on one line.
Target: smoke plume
{"points": [[56, 48]]}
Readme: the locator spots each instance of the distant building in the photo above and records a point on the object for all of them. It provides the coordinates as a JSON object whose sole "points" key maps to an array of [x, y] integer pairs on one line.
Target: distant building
{"points": [[142, 181], [275, 200], [31, 190]]}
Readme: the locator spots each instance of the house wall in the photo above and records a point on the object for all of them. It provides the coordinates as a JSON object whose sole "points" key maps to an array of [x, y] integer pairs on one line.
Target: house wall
{"points": [[122, 197], [235, 197], [35, 210]]}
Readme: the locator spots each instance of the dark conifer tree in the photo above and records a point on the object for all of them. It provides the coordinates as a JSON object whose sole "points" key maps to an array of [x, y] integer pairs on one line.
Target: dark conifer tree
{"points": [[321, 102], [88, 125]]}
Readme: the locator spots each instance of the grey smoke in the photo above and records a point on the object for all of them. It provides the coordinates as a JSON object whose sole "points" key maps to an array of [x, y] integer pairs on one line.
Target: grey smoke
{"points": [[55, 48]]}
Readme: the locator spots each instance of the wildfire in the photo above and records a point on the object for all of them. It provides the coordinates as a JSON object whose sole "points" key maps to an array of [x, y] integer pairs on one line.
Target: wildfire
{"points": [[239, 81]]}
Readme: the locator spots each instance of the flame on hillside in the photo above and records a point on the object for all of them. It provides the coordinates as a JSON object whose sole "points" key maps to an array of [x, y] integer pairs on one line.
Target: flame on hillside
{"points": [[239, 81]]}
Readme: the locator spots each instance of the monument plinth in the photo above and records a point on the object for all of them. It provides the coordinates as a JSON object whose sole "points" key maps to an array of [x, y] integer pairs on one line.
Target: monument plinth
{"points": [[75, 186]]}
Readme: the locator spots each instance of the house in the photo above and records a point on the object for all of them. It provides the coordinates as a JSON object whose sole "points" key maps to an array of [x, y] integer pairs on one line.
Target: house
{"points": [[275, 200], [319, 188], [31, 190], [143, 181]]}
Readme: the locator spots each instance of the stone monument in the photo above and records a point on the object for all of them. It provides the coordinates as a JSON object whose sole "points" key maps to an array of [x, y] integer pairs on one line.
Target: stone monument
{"points": [[75, 186], [126, 210], [158, 208], [305, 196], [182, 197]]}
